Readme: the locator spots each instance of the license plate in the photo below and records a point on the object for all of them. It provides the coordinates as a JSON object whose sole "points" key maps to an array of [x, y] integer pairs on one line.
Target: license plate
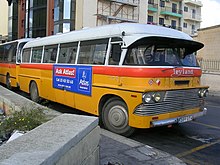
{"points": [[185, 119]]}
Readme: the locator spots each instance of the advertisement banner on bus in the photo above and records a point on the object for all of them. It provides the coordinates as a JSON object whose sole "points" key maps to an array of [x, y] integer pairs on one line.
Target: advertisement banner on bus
{"points": [[73, 78]]}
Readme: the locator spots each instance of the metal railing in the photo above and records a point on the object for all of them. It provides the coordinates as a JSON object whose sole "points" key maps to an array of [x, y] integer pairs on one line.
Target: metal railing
{"points": [[209, 64]]}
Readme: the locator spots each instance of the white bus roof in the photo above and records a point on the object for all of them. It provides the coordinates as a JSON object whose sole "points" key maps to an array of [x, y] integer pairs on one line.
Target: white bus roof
{"points": [[132, 31]]}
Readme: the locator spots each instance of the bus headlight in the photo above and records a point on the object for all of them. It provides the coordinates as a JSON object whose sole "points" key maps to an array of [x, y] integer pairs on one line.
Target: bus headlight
{"points": [[157, 97], [153, 97], [203, 92], [147, 98]]}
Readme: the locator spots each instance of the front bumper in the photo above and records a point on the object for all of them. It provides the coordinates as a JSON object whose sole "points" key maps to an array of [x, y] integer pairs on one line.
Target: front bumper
{"points": [[181, 119]]}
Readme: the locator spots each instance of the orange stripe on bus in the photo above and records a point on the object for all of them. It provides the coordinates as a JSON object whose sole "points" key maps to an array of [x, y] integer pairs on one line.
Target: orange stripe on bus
{"points": [[37, 66], [131, 71], [146, 72], [8, 65]]}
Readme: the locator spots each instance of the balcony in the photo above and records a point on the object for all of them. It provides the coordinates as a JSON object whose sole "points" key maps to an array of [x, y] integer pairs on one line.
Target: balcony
{"points": [[152, 7], [192, 17], [171, 12], [193, 2]]}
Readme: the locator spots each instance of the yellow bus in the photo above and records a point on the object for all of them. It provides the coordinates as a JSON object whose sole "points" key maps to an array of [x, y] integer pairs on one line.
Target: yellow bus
{"points": [[10, 54], [130, 75]]}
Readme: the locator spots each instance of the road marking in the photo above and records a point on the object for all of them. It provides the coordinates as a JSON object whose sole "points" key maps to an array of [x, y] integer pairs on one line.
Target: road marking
{"points": [[196, 149], [207, 125]]}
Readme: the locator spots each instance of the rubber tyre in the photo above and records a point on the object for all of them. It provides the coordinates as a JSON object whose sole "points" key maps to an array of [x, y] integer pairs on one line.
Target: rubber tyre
{"points": [[8, 81], [115, 117], [34, 94]]}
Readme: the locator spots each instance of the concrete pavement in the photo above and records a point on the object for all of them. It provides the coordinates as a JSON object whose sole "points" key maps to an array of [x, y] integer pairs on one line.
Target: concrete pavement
{"points": [[119, 150]]}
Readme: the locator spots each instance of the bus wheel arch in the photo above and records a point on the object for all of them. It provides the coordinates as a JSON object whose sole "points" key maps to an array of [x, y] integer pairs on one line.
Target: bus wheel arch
{"points": [[33, 90], [114, 115]]}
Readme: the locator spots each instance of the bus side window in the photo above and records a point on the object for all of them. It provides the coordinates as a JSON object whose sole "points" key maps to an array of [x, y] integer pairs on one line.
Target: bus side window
{"points": [[26, 55], [36, 55], [115, 54], [50, 54], [93, 52], [12, 53], [7, 48], [131, 57], [67, 53], [1, 53]]}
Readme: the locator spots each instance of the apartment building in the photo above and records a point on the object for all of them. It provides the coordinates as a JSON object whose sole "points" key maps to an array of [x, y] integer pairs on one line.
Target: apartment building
{"points": [[191, 16], [183, 15], [3, 20], [37, 18]]}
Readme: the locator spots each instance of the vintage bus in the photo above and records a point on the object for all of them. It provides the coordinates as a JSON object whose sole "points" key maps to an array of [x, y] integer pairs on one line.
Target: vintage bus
{"points": [[10, 54], [130, 75]]}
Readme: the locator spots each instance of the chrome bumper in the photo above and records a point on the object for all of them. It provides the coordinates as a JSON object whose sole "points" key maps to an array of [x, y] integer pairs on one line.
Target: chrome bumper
{"points": [[179, 119]]}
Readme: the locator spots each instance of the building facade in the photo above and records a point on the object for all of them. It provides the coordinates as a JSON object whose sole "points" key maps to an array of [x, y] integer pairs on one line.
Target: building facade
{"points": [[3, 21], [38, 18], [183, 15], [208, 36]]}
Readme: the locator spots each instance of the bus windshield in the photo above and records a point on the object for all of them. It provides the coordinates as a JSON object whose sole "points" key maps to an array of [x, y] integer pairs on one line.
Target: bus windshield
{"points": [[162, 53], [160, 56]]}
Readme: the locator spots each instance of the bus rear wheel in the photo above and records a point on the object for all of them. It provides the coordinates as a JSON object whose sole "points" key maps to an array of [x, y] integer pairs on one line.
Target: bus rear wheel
{"points": [[115, 117], [8, 81], [34, 94]]}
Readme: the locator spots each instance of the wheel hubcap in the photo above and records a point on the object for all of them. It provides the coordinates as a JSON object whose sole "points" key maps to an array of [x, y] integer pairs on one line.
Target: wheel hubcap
{"points": [[118, 117]]}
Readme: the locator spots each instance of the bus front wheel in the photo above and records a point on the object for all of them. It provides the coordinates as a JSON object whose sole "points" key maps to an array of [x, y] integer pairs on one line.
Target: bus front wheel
{"points": [[115, 117], [34, 94]]}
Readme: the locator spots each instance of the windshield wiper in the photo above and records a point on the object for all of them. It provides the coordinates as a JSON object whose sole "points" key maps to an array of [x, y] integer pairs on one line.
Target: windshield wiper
{"points": [[164, 70]]}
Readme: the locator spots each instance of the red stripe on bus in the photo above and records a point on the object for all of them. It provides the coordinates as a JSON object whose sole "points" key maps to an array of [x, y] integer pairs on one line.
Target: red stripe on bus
{"points": [[147, 72], [37, 66], [8, 65]]}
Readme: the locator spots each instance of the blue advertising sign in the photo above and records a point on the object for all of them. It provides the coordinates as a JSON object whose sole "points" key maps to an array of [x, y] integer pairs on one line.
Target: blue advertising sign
{"points": [[73, 78]]}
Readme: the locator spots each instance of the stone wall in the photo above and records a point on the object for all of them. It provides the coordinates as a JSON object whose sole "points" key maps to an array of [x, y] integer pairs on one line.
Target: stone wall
{"points": [[65, 139], [211, 79]]}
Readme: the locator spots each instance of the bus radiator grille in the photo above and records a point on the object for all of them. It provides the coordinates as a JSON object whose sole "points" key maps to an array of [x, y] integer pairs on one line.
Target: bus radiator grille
{"points": [[175, 100]]}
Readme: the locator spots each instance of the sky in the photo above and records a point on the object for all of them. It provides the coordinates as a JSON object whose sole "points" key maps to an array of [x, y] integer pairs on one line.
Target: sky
{"points": [[210, 13]]}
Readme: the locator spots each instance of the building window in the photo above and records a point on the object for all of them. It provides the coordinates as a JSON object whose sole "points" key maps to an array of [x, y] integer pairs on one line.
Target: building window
{"points": [[174, 8], [36, 17], [193, 13], [193, 28], [64, 16], [22, 23], [185, 25], [186, 9], [151, 2], [150, 19], [162, 3], [161, 21], [173, 24], [23, 6]]}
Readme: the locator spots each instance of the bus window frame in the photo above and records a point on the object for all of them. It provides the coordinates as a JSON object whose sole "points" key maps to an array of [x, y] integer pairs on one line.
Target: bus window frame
{"points": [[94, 43], [36, 48], [63, 45], [47, 47], [23, 54]]}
